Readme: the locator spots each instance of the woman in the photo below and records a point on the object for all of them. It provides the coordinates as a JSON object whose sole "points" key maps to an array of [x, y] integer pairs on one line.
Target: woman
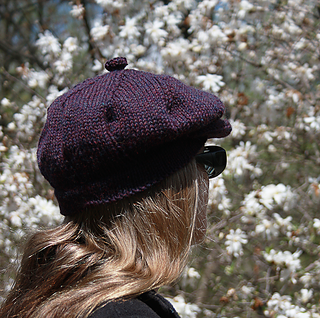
{"points": [[125, 155]]}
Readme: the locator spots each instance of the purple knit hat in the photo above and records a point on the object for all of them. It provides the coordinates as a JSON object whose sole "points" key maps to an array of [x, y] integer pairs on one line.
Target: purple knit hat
{"points": [[118, 134]]}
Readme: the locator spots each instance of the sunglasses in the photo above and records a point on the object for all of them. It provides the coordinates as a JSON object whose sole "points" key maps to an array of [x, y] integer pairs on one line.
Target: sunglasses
{"points": [[214, 160]]}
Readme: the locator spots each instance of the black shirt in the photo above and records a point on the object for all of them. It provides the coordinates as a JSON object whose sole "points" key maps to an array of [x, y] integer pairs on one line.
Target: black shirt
{"points": [[147, 305]]}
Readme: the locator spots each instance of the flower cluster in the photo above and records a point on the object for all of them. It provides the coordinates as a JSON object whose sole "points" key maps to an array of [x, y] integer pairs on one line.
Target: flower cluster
{"points": [[282, 306], [234, 242], [290, 262]]}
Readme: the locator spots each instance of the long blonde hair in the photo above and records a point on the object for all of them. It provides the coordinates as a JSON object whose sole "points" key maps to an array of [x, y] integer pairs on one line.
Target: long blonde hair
{"points": [[106, 252]]}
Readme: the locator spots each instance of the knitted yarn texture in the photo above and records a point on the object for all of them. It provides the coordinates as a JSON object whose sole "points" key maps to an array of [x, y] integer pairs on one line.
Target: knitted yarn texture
{"points": [[118, 134]]}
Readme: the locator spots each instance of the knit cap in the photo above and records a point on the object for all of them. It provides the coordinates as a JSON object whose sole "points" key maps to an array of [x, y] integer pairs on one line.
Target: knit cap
{"points": [[120, 133]]}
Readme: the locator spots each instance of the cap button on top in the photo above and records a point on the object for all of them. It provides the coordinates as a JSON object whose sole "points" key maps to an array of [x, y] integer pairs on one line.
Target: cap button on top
{"points": [[118, 63]]}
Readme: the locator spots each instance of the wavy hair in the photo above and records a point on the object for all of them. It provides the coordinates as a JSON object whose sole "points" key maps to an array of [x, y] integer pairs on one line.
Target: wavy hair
{"points": [[107, 252]]}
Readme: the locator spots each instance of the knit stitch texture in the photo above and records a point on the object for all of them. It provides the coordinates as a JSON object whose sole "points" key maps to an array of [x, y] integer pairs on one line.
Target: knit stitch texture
{"points": [[118, 134]]}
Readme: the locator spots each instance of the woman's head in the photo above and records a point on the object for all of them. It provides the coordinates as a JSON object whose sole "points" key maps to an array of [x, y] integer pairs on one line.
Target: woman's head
{"points": [[119, 150]]}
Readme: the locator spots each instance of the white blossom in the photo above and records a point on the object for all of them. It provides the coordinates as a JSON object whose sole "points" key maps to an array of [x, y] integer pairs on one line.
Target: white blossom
{"points": [[15, 219], [5, 102], [238, 128], [218, 195], [211, 82], [247, 290], [306, 295], [130, 30], [234, 241], [77, 11], [71, 45], [176, 50], [161, 11], [64, 64], [244, 7], [99, 32], [48, 43], [187, 4], [216, 35], [46, 211], [206, 6], [28, 116], [289, 262], [279, 194], [242, 46], [173, 19], [191, 272], [137, 50], [53, 93], [284, 223], [240, 160], [97, 66], [190, 277], [279, 303], [307, 279], [269, 228], [316, 224], [313, 122], [155, 31], [252, 208], [34, 78], [111, 4], [275, 100], [258, 85], [185, 310], [290, 26]]}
